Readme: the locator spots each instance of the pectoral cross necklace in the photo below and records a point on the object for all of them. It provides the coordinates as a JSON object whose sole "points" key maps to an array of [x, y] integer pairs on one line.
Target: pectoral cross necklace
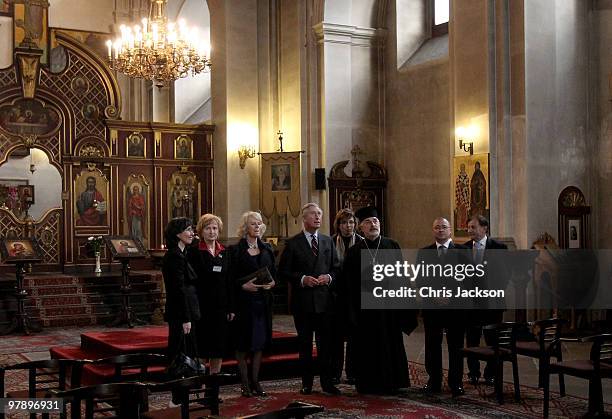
{"points": [[372, 256]]}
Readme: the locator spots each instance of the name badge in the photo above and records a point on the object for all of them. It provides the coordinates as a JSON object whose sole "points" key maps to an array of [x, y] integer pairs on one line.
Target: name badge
{"points": [[216, 268]]}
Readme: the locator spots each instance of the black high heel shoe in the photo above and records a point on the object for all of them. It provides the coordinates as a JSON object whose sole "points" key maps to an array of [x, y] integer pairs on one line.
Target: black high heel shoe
{"points": [[245, 392], [257, 390]]}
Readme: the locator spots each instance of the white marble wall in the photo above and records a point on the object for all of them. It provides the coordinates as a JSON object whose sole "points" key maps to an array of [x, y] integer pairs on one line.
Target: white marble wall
{"points": [[602, 86], [192, 94], [417, 149], [559, 149]]}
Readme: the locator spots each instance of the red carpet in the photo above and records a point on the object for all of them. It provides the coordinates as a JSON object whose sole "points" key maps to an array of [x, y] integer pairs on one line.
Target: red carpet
{"points": [[478, 401], [280, 361]]}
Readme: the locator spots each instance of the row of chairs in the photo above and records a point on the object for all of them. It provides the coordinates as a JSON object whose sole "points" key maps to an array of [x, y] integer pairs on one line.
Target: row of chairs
{"points": [[130, 399], [506, 348], [134, 377]]}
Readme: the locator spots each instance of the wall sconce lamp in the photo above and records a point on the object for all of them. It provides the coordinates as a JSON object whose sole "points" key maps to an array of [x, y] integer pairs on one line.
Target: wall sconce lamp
{"points": [[245, 152], [464, 135]]}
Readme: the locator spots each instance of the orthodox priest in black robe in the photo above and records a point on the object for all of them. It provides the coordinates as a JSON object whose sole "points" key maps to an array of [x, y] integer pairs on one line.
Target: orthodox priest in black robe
{"points": [[380, 363]]}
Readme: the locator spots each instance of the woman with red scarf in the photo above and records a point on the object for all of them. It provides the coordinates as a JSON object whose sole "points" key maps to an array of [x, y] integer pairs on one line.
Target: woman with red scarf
{"points": [[214, 291]]}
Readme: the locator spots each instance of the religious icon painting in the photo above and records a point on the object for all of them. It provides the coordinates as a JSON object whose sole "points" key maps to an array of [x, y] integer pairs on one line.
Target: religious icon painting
{"points": [[471, 197], [9, 195], [29, 117], [136, 145], [183, 195], [79, 86], [136, 208], [5, 8], [17, 250], [574, 238], [90, 112], [280, 177], [91, 199], [34, 33], [125, 247], [280, 186], [183, 147]]}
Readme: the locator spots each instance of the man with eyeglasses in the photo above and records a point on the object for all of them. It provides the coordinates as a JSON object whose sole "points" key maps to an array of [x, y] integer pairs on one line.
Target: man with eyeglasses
{"points": [[437, 319]]}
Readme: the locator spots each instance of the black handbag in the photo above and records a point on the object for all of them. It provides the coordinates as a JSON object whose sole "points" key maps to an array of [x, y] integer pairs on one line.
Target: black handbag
{"points": [[183, 366]]}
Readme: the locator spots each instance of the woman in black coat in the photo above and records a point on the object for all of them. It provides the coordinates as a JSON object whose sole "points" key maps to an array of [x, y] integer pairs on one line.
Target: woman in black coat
{"points": [[253, 303], [211, 263], [344, 239], [182, 307]]}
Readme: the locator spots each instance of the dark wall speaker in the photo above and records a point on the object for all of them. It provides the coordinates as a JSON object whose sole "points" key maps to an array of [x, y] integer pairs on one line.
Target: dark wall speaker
{"points": [[320, 178]]}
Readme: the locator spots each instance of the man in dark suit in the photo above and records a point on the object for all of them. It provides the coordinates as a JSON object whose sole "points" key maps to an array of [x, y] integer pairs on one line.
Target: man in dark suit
{"points": [[436, 319], [310, 264], [478, 229]]}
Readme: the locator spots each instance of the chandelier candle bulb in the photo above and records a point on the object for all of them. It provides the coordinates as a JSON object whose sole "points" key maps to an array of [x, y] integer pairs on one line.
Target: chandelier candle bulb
{"points": [[159, 50]]}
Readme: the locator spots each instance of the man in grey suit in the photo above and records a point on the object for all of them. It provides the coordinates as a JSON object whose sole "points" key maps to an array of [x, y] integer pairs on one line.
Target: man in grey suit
{"points": [[310, 264]]}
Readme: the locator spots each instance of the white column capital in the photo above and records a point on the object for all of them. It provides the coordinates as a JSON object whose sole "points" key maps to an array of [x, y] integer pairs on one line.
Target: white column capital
{"points": [[349, 35]]}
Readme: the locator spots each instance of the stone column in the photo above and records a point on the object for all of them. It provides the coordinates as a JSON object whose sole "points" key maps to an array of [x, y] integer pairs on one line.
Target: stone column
{"points": [[162, 104], [135, 98], [351, 99], [235, 106]]}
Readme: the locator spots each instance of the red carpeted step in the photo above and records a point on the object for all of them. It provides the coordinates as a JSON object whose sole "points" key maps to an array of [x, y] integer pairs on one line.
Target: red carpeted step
{"points": [[150, 339], [154, 339], [75, 352], [280, 361]]}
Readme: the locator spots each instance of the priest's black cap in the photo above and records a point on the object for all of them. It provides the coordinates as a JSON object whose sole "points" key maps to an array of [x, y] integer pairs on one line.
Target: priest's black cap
{"points": [[366, 212]]}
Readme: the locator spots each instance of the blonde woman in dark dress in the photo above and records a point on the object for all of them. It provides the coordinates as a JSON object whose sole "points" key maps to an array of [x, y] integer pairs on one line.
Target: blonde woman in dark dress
{"points": [[252, 326]]}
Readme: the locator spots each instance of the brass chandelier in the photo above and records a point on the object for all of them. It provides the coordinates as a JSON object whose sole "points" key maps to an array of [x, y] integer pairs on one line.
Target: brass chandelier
{"points": [[159, 50]]}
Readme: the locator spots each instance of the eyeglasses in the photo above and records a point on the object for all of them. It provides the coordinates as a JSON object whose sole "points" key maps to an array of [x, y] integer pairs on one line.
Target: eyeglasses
{"points": [[441, 228]]}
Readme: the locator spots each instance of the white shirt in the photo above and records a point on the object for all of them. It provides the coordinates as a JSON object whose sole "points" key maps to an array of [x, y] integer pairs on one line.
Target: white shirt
{"points": [[309, 238], [482, 243], [445, 244]]}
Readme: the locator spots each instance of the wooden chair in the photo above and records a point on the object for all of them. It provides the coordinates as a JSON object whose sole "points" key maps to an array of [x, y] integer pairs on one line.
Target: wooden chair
{"points": [[547, 345], [102, 399], [185, 387], [135, 367], [44, 376], [502, 350], [298, 410], [598, 366]]}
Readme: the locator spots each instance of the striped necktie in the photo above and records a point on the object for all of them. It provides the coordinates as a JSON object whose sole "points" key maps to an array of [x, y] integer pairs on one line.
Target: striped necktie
{"points": [[478, 252], [314, 245]]}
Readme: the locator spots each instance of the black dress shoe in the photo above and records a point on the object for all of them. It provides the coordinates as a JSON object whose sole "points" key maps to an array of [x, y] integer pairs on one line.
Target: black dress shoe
{"points": [[335, 381], [490, 381], [306, 390], [457, 391], [333, 390], [257, 390], [432, 388], [350, 381], [244, 390]]}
